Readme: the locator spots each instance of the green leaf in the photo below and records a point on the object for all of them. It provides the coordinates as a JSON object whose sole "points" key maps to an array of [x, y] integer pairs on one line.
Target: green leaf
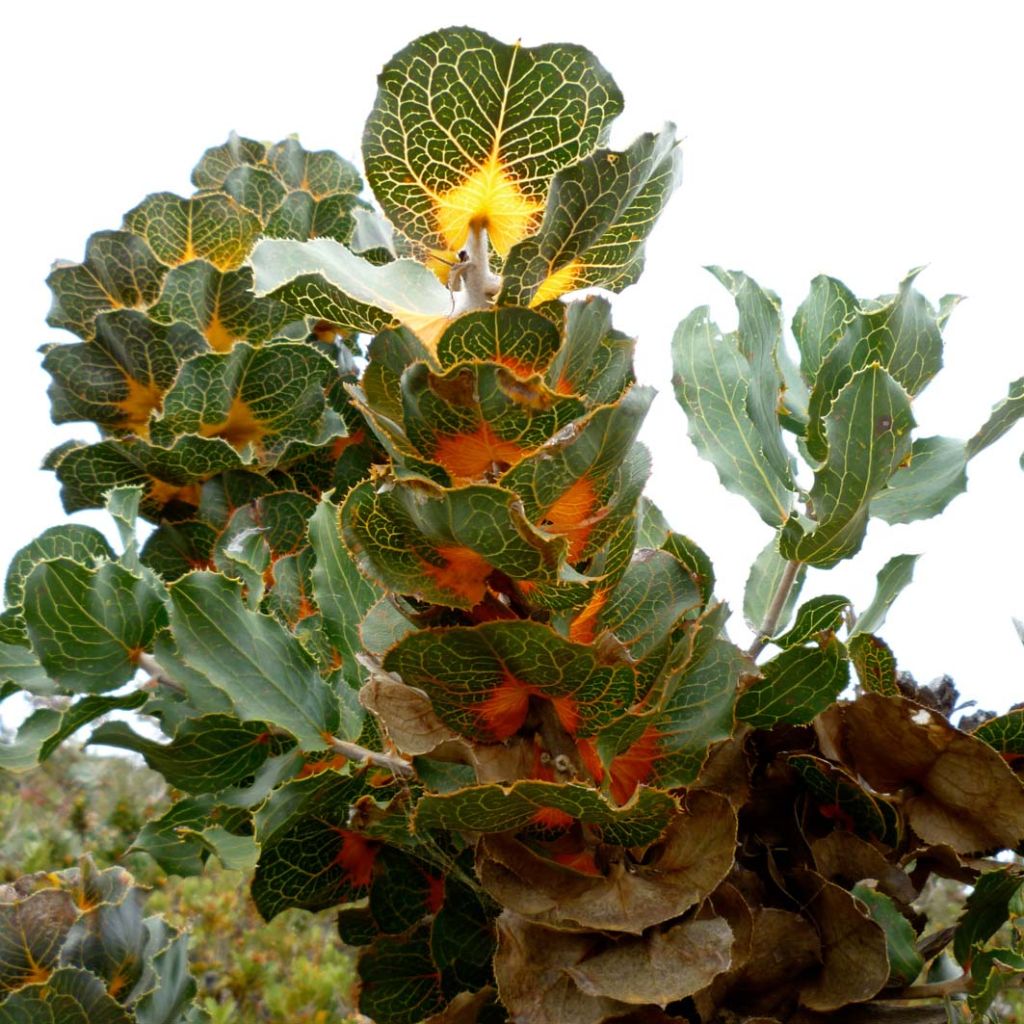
{"points": [[868, 429], [991, 971], [875, 664], [79, 543], [235, 852], [219, 305], [20, 667], [46, 729], [595, 360], [763, 584], [119, 270], [320, 172], [175, 986], [172, 838], [69, 996], [32, 931], [519, 339], [481, 678], [798, 684], [495, 808], [477, 420], [322, 278], [482, 160], [655, 592], [88, 626], [404, 891], [310, 857], [892, 579], [210, 226], [462, 936], [373, 234], [170, 476], [695, 560], [301, 216], [117, 379], [820, 322], [840, 797], [399, 981], [936, 474], [343, 594], [1004, 416], [255, 189], [219, 161], [818, 615], [207, 754], [442, 545], [262, 397], [900, 333], [123, 508], [1005, 733], [758, 337], [110, 942], [713, 383], [698, 712], [250, 657], [905, 962], [584, 202], [986, 911], [586, 483]]}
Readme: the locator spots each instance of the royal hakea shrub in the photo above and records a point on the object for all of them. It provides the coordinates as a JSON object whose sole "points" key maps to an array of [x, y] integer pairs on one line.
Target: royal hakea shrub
{"points": [[421, 649], [75, 948]]}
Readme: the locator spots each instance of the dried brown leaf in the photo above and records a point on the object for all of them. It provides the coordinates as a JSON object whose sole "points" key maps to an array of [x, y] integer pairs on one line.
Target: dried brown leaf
{"points": [[464, 1008], [847, 859], [957, 789], [855, 965], [660, 967], [783, 948], [406, 713], [727, 771], [687, 864], [531, 967]]}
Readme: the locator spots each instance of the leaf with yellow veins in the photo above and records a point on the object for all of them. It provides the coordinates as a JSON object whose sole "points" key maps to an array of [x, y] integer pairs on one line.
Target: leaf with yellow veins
{"points": [[220, 305], [118, 379], [119, 271], [208, 227], [171, 476], [468, 131], [591, 234], [322, 278], [262, 396]]}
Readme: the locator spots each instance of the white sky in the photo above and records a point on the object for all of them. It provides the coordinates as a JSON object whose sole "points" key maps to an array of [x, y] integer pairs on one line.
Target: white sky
{"points": [[854, 139]]}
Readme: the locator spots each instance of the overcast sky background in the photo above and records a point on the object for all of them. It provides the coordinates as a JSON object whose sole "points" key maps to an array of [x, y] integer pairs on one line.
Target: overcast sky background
{"points": [[854, 139]]}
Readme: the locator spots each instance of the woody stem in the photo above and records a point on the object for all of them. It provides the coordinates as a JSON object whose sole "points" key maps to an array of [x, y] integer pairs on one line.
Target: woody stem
{"points": [[478, 285]]}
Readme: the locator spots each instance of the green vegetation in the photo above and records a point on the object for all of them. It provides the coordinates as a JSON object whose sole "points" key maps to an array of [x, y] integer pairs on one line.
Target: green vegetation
{"points": [[421, 651]]}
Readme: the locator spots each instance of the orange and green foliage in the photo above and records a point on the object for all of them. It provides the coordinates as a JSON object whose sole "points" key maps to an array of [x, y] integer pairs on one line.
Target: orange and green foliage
{"points": [[420, 648]]}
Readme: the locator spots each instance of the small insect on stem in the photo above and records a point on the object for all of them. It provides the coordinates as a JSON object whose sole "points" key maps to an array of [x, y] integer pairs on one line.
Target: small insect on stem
{"points": [[456, 274]]}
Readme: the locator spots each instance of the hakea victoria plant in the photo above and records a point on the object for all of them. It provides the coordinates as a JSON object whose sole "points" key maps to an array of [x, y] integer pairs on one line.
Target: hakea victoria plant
{"points": [[420, 647]]}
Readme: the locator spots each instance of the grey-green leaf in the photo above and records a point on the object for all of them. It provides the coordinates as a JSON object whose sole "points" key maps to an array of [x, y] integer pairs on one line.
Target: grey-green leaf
{"points": [[713, 384], [896, 574], [868, 430], [252, 658], [88, 626]]}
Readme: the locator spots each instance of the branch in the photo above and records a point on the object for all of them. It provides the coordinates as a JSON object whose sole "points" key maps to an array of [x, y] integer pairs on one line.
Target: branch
{"points": [[558, 744], [771, 619], [955, 986], [354, 752], [157, 672], [475, 286]]}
